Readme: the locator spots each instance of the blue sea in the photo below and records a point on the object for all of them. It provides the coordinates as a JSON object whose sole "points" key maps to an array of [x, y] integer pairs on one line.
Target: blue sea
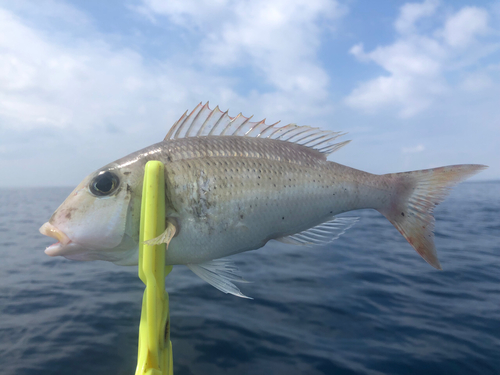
{"points": [[365, 304]]}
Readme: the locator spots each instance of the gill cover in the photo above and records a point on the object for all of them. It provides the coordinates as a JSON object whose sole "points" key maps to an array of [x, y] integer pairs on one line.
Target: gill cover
{"points": [[94, 216]]}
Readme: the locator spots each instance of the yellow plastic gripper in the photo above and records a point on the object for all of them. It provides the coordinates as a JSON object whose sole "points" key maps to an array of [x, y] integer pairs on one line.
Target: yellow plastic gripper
{"points": [[155, 348]]}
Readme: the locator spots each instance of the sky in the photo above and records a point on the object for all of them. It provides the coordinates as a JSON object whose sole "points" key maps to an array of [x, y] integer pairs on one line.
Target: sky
{"points": [[415, 85]]}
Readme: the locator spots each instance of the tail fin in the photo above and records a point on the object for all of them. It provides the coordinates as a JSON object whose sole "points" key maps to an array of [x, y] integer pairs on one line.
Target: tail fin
{"points": [[416, 195]]}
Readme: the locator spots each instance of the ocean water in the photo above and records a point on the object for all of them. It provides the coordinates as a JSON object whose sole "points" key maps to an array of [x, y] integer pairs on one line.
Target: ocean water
{"points": [[365, 304]]}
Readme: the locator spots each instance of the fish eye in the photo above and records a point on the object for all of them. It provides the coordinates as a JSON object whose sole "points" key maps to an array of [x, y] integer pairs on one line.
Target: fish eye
{"points": [[104, 184]]}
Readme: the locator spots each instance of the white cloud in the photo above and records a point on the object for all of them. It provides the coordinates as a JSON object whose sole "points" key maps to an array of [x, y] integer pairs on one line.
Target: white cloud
{"points": [[63, 90], [190, 14], [86, 85], [418, 63], [461, 28], [85, 101], [414, 67], [44, 81], [277, 40], [73, 98], [410, 13], [476, 82]]}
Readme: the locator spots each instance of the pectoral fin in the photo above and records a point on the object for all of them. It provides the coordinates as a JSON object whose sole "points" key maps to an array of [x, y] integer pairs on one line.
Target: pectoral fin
{"points": [[165, 237]]}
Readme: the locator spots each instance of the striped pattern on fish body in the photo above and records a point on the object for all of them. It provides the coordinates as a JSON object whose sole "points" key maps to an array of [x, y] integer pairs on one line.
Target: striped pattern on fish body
{"points": [[231, 186]]}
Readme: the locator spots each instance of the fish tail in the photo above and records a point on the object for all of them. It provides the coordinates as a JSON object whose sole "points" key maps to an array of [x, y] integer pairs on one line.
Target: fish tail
{"points": [[414, 196]]}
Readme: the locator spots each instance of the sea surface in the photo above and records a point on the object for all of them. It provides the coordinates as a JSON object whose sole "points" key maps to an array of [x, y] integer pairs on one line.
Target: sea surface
{"points": [[365, 304]]}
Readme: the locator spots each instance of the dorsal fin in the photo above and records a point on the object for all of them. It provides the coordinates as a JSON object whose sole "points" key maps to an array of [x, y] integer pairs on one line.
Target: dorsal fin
{"points": [[202, 121]]}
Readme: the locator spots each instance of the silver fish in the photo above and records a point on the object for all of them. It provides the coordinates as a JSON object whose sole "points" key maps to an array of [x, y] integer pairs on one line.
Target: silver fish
{"points": [[231, 186]]}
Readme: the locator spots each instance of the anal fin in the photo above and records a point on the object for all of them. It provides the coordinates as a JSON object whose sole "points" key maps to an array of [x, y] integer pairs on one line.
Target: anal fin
{"points": [[321, 234]]}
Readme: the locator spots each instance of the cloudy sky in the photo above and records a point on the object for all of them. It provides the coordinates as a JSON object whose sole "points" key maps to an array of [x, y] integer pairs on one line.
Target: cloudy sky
{"points": [[82, 83]]}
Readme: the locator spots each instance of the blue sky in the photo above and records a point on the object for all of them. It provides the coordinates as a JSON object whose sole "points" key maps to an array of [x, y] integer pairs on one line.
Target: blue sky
{"points": [[82, 83]]}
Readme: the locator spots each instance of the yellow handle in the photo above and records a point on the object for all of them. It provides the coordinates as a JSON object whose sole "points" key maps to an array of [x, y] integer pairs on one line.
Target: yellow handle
{"points": [[155, 348]]}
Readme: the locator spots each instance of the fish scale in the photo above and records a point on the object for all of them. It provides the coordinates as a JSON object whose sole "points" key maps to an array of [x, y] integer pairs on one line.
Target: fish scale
{"points": [[232, 185], [273, 192]]}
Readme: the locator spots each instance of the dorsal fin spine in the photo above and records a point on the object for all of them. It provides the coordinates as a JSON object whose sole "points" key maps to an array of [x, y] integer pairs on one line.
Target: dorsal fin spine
{"points": [[169, 134], [263, 131], [202, 122], [234, 124], [176, 135], [255, 126], [305, 136], [302, 131], [242, 124], [335, 147], [186, 121], [291, 127], [196, 117], [205, 122], [328, 139], [266, 129], [233, 120], [212, 113], [315, 142], [209, 117], [261, 128], [277, 130], [311, 141], [218, 122]]}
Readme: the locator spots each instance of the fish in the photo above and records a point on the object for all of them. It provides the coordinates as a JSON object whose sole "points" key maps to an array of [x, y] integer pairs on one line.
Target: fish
{"points": [[232, 185]]}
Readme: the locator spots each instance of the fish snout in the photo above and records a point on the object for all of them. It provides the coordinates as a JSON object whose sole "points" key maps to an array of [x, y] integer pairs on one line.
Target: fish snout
{"points": [[50, 230]]}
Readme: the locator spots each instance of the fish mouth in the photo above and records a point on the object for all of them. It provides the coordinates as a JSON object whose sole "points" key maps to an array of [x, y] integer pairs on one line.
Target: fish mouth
{"points": [[63, 240]]}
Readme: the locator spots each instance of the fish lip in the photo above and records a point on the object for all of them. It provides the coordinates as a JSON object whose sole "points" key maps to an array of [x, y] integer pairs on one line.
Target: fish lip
{"points": [[63, 240], [54, 249]]}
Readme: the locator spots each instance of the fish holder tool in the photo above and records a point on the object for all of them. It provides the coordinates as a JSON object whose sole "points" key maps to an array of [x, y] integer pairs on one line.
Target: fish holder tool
{"points": [[155, 347]]}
